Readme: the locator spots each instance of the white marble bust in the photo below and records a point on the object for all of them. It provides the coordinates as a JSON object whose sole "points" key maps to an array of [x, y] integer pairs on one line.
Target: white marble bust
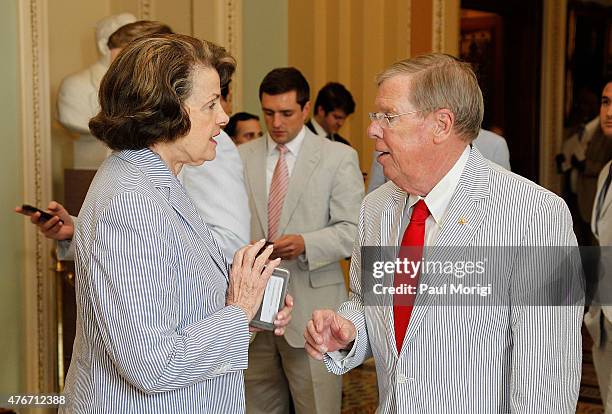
{"points": [[77, 99]]}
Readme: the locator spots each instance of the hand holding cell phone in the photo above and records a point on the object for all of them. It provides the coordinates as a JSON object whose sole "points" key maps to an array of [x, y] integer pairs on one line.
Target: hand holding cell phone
{"points": [[55, 223], [29, 210]]}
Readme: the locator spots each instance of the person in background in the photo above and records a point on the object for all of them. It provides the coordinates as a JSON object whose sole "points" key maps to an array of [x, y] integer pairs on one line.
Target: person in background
{"points": [[162, 319], [429, 354], [332, 107], [598, 320], [304, 194], [592, 153], [243, 127]]}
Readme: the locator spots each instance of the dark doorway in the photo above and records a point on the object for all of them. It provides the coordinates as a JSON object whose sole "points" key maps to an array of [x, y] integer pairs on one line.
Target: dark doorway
{"points": [[503, 40], [588, 60]]}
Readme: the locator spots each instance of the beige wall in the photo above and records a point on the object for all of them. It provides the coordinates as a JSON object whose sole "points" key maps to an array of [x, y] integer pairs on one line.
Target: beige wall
{"points": [[264, 40], [72, 47], [350, 41], [11, 171], [176, 13]]}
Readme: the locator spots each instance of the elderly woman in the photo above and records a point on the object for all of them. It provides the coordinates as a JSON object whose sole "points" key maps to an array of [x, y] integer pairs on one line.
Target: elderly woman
{"points": [[162, 322]]}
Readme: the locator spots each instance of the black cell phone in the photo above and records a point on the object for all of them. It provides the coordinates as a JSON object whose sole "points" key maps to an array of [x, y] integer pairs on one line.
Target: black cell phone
{"points": [[44, 215]]}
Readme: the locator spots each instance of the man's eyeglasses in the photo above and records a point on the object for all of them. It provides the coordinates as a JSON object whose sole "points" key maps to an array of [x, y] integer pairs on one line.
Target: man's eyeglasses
{"points": [[387, 120]]}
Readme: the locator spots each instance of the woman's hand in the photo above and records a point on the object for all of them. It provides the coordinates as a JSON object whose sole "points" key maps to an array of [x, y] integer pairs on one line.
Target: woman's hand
{"points": [[248, 277], [60, 227]]}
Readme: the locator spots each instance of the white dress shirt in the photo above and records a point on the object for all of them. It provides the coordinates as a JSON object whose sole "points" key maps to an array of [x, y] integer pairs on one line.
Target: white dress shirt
{"points": [[290, 156], [320, 131], [437, 201]]}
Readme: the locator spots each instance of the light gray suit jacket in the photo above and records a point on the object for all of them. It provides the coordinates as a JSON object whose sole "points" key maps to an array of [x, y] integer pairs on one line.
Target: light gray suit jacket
{"points": [[471, 359], [322, 204], [604, 236], [604, 233]]}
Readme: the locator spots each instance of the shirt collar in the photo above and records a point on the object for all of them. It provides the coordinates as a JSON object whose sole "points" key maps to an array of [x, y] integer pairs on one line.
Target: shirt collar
{"points": [[320, 131], [439, 198], [293, 146]]}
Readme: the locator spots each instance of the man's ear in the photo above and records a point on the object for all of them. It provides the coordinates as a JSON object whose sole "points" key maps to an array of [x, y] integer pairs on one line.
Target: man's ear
{"points": [[306, 110], [444, 121]]}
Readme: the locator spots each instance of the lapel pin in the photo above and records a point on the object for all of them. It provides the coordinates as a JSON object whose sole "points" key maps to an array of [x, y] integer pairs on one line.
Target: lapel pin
{"points": [[462, 221]]}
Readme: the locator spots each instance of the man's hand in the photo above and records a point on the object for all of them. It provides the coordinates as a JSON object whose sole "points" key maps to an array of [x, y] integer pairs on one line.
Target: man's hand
{"points": [[283, 317], [53, 228], [289, 246], [328, 332]]}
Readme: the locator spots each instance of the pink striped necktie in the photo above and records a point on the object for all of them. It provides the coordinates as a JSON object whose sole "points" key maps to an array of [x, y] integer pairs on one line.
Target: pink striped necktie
{"points": [[278, 189]]}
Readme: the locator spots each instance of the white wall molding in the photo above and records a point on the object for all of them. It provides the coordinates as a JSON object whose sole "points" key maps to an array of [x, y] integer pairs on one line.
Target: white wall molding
{"points": [[145, 10], [220, 21], [438, 34], [38, 287]]}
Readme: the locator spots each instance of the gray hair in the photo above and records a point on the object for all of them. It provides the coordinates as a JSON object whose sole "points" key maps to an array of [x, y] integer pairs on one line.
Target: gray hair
{"points": [[442, 81]]}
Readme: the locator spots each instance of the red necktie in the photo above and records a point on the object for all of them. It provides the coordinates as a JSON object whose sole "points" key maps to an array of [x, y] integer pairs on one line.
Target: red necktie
{"points": [[412, 241]]}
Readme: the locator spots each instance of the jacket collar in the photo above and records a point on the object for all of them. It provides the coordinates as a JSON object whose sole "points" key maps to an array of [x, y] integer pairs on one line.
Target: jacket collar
{"points": [[309, 157], [160, 176]]}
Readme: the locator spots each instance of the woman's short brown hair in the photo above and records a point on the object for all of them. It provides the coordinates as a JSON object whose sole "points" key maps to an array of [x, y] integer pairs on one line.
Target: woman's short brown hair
{"points": [[142, 94]]}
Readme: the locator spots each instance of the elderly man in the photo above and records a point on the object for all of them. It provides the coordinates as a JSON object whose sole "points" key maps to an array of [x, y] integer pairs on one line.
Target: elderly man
{"points": [[431, 356]]}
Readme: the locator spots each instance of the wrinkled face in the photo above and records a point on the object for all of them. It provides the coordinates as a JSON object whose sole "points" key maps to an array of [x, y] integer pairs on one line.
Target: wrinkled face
{"points": [[406, 145], [283, 115], [605, 111], [247, 130], [332, 121], [206, 116]]}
